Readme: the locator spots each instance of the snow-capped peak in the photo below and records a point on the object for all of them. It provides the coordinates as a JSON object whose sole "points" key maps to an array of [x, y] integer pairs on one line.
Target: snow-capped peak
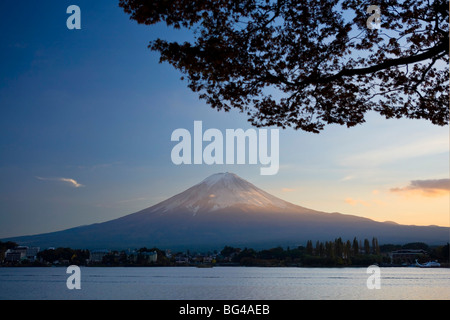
{"points": [[223, 177], [220, 191]]}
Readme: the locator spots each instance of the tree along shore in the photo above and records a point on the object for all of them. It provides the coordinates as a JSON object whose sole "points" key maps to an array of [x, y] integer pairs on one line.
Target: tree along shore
{"points": [[336, 253]]}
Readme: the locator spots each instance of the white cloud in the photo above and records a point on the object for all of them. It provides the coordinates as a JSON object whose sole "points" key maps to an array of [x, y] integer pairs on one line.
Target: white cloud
{"points": [[71, 182]]}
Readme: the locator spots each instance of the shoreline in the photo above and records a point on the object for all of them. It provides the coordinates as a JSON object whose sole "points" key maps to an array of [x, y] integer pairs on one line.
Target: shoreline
{"points": [[443, 266]]}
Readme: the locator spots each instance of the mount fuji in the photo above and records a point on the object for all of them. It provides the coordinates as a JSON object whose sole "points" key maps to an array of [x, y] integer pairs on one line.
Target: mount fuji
{"points": [[225, 209]]}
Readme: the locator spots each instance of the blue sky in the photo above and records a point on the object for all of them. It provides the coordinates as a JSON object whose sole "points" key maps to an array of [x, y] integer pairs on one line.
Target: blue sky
{"points": [[87, 116]]}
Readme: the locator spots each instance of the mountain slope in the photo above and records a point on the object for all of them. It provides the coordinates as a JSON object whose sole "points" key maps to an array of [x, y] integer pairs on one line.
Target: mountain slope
{"points": [[225, 209], [220, 191]]}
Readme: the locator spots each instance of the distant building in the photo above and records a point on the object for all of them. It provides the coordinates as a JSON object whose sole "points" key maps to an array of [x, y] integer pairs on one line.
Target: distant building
{"points": [[32, 253], [21, 253], [97, 255], [181, 259], [12, 255]]}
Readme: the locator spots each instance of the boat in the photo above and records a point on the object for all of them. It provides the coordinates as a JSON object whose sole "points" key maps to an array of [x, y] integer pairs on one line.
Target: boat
{"points": [[429, 264]]}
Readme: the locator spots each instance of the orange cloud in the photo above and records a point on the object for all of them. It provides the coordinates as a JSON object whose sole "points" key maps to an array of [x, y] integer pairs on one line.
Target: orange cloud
{"points": [[426, 188], [354, 202]]}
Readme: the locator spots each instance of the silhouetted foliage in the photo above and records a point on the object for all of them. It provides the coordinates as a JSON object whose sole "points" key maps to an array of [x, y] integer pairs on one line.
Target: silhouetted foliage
{"points": [[390, 247], [441, 253], [306, 64], [228, 251], [7, 245], [416, 246], [335, 253], [61, 255]]}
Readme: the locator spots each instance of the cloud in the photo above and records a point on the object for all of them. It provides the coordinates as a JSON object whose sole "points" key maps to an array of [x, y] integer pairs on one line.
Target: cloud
{"points": [[68, 181], [354, 202], [287, 190], [351, 201], [428, 188]]}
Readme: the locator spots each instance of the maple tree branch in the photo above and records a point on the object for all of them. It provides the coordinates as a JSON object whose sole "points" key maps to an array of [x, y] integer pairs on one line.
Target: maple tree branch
{"points": [[443, 46]]}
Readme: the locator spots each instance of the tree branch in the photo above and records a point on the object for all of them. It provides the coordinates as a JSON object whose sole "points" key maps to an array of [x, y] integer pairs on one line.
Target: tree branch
{"points": [[432, 52]]}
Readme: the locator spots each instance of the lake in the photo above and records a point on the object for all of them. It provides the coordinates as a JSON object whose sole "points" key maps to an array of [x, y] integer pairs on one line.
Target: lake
{"points": [[224, 283]]}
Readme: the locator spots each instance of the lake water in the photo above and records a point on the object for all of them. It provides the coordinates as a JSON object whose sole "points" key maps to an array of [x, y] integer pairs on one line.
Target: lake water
{"points": [[224, 283]]}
